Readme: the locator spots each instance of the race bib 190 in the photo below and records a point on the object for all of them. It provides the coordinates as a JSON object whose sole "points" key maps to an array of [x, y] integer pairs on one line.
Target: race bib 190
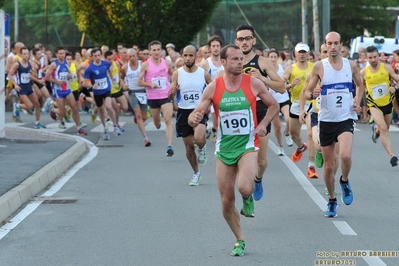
{"points": [[235, 122]]}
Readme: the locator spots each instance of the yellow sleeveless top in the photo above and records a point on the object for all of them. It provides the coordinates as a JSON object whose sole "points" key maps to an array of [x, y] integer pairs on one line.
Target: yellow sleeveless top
{"points": [[73, 84], [377, 85], [115, 78], [298, 73]]}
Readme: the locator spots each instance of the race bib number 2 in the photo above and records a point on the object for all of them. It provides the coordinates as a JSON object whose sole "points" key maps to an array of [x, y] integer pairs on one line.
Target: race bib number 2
{"points": [[235, 122], [338, 99]]}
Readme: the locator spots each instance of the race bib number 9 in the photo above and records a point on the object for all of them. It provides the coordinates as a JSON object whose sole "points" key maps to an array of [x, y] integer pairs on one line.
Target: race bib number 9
{"points": [[235, 122], [161, 83], [379, 91], [101, 84]]}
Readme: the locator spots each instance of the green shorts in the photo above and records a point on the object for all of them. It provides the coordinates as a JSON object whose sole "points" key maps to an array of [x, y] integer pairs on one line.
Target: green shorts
{"points": [[232, 157]]}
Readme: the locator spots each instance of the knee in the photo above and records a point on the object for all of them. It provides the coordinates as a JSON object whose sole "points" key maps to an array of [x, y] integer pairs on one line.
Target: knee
{"points": [[346, 158], [383, 129], [246, 189]]}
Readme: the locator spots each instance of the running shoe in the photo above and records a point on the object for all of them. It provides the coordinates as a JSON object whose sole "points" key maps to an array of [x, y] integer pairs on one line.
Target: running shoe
{"points": [[47, 104], [82, 132], [280, 151], [239, 248], [331, 208], [121, 128], [53, 115], [394, 161], [371, 120], [16, 110], [30, 112], [258, 191], [62, 125], [347, 195], [93, 116], [147, 143], [297, 155], [106, 135], [318, 160], [169, 151], [16, 119], [289, 140], [39, 125], [195, 180], [68, 115], [117, 131], [201, 158], [312, 172], [82, 112], [374, 136], [248, 207], [82, 98]]}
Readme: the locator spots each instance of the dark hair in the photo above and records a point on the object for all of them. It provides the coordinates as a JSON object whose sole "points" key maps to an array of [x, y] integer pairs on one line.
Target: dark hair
{"points": [[23, 48], [273, 51], [12, 46], [35, 50], [68, 54], [282, 55], [215, 38], [95, 50], [223, 52], [311, 54], [396, 52], [245, 27], [107, 53], [371, 49], [59, 48], [155, 42]]}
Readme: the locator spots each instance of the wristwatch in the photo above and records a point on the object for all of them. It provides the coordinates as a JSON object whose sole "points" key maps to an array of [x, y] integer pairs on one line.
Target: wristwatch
{"points": [[311, 95]]}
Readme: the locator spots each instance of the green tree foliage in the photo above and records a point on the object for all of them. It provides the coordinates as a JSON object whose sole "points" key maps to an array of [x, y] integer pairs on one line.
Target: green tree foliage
{"points": [[141, 21], [351, 18], [58, 29]]}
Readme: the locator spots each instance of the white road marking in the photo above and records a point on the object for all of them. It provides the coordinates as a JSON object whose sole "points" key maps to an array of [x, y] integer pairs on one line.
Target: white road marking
{"points": [[307, 186], [32, 206], [344, 228]]}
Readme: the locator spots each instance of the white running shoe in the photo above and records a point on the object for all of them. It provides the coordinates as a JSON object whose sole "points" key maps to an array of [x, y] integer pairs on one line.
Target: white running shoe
{"points": [[201, 158], [195, 180], [289, 141], [280, 151]]}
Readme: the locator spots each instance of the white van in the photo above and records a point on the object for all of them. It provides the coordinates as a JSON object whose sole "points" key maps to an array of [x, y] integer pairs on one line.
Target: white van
{"points": [[385, 45]]}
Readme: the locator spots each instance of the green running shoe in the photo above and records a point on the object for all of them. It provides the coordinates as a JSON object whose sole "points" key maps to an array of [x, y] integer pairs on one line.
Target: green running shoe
{"points": [[318, 160], [248, 207], [238, 249]]}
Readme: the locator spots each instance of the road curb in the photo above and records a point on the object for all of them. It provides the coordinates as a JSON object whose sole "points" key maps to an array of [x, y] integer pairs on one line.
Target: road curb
{"points": [[19, 195]]}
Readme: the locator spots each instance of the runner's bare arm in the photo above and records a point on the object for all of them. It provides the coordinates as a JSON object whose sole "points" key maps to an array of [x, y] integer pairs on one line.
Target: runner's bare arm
{"points": [[122, 74], [11, 73], [359, 86], [260, 90], [274, 81], [141, 81], [206, 100], [174, 87]]}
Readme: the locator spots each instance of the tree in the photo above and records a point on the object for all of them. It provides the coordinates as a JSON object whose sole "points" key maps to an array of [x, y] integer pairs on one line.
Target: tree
{"points": [[351, 18], [141, 21]]}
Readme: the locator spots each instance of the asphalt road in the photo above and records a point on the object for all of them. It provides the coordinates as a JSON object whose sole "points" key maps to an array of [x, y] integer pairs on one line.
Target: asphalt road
{"points": [[134, 207]]}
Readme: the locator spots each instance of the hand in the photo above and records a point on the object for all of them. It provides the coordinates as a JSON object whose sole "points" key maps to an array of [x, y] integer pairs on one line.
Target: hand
{"points": [[392, 90], [174, 89], [302, 116], [357, 108], [316, 92], [254, 72], [196, 118], [154, 86], [95, 86], [261, 130], [17, 88], [295, 82]]}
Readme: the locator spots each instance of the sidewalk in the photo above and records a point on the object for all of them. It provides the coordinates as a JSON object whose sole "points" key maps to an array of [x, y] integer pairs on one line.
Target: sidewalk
{"points": [[30, 160]]}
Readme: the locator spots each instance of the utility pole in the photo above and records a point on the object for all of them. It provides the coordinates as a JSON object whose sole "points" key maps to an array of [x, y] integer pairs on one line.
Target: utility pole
{"points": [[304, 22], [316, 30], [326, 17], [16, 19]]}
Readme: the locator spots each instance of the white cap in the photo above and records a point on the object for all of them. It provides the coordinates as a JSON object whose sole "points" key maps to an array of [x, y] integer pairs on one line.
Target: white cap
{"points": [[302, 47]]}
